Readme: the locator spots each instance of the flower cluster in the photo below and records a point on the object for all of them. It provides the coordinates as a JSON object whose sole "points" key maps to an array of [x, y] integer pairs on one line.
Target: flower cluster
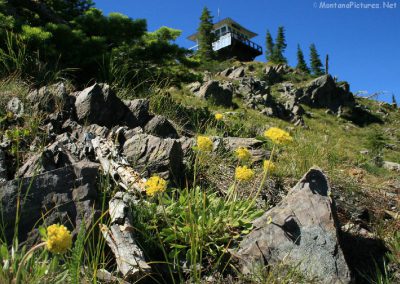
{"points": [[278, 136], [269, 166], [219, 116], [155, 185], [58, 239], [244, 173], [243, 154], [204, 144]]}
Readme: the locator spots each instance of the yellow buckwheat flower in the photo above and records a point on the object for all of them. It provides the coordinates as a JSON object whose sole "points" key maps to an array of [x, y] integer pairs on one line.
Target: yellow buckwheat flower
{"points": [[155, 185], [244, 173], [269, 166], [219, 116], [243, 154], [278, 136], [58, 239], [204, 144]]}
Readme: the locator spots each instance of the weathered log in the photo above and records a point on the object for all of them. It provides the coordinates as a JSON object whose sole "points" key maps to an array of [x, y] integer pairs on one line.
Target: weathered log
{"points": [[107, 152], [120, 238]]}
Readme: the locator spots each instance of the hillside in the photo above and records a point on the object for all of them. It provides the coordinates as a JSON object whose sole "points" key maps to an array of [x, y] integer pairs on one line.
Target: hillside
{"points": [[256, 173]]}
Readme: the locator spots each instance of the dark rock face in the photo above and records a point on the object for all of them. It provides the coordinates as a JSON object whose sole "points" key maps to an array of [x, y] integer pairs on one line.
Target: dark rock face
{"points": [[301, 230], [66, 195], [218, 93], [98, 104], [140, 110], [153, 155], [323, 92], [161, 127]]}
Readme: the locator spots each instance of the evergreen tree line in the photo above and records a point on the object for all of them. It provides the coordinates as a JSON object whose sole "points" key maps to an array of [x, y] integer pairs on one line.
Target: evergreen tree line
{"points": [[275, 54]]}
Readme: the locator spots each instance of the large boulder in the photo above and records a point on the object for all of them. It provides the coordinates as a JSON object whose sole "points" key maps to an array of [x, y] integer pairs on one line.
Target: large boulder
{"points": [[216, 92], [98, 104], [323, 92], [301, 231], [66, 195], [154, 155]]}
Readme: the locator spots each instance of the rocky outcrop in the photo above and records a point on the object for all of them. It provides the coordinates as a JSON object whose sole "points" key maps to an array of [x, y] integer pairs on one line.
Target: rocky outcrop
{"points": [[325, 93], [153, 155], [140, 110], [301, 231], [98, 104], [16, 107], [48, 98], [161, 127], [391, 166], [216, 92], [66, 195]]}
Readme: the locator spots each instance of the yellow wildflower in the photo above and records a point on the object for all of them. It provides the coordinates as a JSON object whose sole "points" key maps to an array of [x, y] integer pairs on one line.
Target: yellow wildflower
{"points": [[204, 144], [278, 136], [155, 185], [219, 116], [269, 166], [243, 154], [58, 239], [244, 173]]}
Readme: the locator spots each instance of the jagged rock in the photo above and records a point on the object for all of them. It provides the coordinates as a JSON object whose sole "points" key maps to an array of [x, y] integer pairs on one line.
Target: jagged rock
{"points": [[98, 104], [323, 92], [66, 195], [15, 106], [161, 127], [216, 92], [48, 98], [302, 231], [237, 73], [153, 155], [391, 166], [250, 86], [140, 110], [51, 158]]}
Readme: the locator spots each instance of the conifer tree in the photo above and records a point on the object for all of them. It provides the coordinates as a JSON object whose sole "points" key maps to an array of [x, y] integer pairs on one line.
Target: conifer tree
{"points": [[279, 47], [394, 102], [315, 61], [206, 37], [301, 63], [269, 46]]}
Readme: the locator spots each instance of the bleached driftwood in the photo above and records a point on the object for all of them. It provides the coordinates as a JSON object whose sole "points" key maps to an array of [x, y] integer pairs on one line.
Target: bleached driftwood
{"points": [[107, 152], [120, 237]]}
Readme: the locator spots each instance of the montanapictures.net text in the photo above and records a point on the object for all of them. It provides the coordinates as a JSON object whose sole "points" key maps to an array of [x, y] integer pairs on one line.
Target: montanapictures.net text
{"points": [[357, 5]]}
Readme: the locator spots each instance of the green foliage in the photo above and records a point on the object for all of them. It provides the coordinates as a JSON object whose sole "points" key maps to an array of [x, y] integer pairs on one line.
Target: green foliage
{"points": [[315, 61], [205, 35], [301, 63], [269, 46], [279, 47]]}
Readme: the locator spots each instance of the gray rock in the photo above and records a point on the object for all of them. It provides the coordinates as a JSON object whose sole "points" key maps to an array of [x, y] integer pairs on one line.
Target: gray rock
{"points": [[161, 127], [15, 106], [216, 92], [140, 110], [237, 73], [323, 92], [302, 232], [48, 98], [391, 166], [98, 104], [255, 146], [153, 155], [51, 197]]}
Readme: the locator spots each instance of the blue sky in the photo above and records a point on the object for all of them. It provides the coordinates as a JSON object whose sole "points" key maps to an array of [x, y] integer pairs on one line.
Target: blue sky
{"points": [[363, 43]]}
